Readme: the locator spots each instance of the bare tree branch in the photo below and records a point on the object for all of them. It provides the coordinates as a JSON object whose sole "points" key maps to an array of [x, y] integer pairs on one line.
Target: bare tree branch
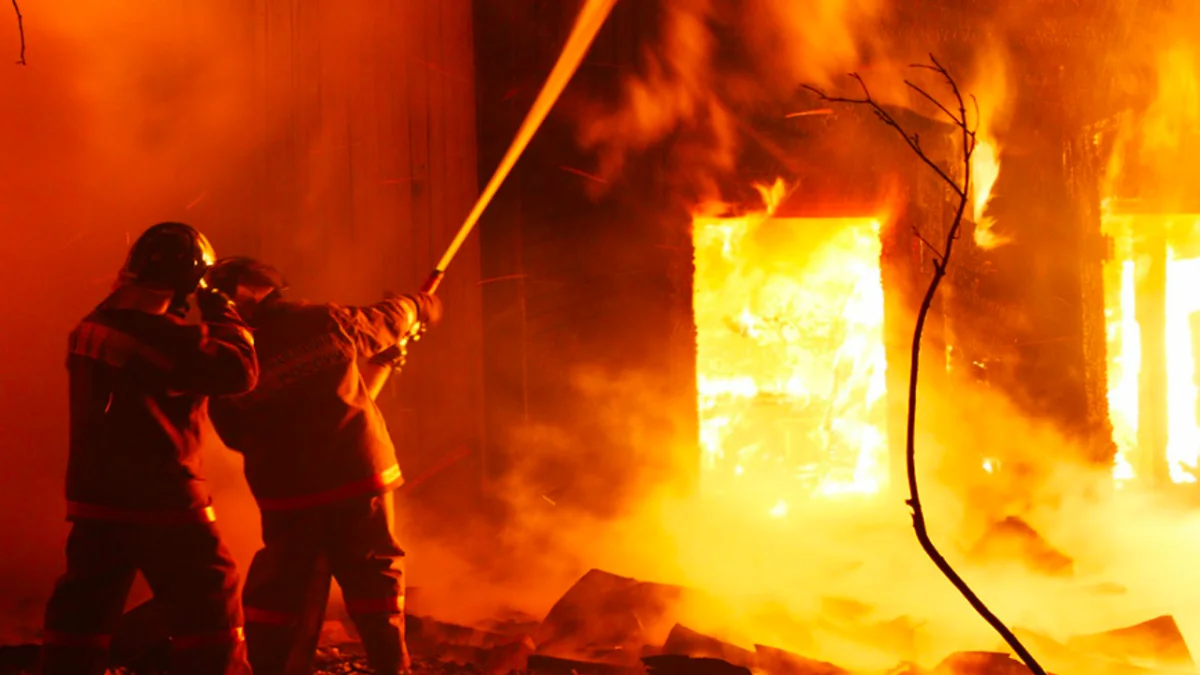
{"points": [[914, 141], [21, 30], [941, 261], [934, 101]]}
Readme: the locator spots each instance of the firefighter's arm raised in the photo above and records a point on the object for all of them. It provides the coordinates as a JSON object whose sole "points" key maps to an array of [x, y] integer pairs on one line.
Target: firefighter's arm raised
{"points": [[378, 327], [217, 357]]}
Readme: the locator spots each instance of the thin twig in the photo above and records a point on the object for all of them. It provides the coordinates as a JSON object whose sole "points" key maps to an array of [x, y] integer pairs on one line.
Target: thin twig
{"points": [[941, 261], [933, 100], [937, 255], [913, 141], [21, 30]]}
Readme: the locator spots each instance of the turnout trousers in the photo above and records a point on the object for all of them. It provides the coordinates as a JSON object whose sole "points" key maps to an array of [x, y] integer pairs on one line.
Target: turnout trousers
{"points": [[287, 587], [191, 574]]}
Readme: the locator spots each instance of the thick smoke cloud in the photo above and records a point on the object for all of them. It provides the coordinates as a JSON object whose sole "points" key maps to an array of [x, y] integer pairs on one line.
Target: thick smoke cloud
{"points": [[716, 57]]}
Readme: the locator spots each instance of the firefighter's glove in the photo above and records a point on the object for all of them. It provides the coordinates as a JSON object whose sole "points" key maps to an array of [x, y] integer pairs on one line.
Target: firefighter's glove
{"points": [[213, 304], [429, 308]]}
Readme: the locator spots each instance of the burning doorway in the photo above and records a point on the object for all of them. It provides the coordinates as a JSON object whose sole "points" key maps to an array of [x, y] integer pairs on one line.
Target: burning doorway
{"points": [[791, 365]]}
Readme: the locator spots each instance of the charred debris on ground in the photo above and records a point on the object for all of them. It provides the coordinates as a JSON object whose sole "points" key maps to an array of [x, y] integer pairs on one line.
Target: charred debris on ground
{"points": [[611, 625]]}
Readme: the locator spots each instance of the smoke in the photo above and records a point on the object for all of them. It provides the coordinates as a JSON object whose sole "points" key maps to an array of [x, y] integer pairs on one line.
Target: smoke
{"points": [[784, 581], [690, 83], [715, 65]]}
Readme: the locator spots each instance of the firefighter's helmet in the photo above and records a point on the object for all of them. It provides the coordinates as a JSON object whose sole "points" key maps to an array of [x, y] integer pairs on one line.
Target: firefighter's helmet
{"points": [[170, 256], [229, 273]]}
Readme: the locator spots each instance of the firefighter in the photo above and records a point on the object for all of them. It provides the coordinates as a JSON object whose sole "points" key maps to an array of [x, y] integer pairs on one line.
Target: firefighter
{"points": [[322, 467], [139, 379]]}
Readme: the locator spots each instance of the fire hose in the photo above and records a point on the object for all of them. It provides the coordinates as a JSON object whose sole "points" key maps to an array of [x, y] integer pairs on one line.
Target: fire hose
{"points": [[587, 24]]}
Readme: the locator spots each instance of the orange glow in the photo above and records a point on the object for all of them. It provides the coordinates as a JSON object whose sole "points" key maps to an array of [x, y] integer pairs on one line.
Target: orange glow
{"points": [[790, 361]]}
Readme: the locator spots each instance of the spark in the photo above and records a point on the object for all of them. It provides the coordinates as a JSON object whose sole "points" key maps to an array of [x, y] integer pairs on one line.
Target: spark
{"points": [[196, 201], [585, 174], [810, 113]]}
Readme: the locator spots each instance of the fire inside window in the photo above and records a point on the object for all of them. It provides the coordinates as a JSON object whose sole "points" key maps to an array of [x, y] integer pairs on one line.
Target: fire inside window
{"points": [[790, 357], [1152, 307]]}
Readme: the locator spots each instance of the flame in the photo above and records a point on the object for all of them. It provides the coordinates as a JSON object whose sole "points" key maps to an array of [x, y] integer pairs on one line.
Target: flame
{"points": [[1124, 364], [985, 168], [1183, 435], [1181, 309], [790, 360], [991, 89]]}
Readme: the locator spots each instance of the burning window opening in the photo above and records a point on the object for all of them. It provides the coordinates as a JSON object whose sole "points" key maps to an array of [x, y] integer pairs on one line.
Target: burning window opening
{"points": [[1153, 334], [790, 357]]}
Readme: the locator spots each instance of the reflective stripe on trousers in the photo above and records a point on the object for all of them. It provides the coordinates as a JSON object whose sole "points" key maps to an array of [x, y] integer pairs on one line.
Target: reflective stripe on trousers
{"points": [[209, 639], [388, 478], [389, 605]]}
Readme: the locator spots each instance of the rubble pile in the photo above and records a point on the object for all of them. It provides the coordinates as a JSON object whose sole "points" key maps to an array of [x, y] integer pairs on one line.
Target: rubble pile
{"points": [[611, 625]]}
